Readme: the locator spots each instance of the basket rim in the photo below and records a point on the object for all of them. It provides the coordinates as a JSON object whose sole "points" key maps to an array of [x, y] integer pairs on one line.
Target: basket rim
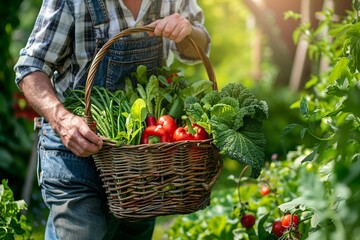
{"points": [[111, 143]]}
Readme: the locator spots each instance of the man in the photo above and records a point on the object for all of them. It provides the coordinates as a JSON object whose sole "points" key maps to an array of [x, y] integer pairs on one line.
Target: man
{"points": [[57, 57]]}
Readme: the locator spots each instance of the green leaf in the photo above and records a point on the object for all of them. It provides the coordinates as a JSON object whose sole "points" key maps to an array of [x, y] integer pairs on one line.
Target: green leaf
{"points": [[356, 4], [303, 132], [339, 31], [340, 70], [196, 88], [290, 128], [311, 156], [263, 234], [138, 110], [11, 223], [129, 90], [304, 107], [353, 100], [247, 145], [152, 90], [141, 74], [193, 108], [141, 91], [224, 113], [252, 106]]}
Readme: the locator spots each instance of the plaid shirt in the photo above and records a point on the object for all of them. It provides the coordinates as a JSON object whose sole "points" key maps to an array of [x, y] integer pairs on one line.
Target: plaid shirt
{"points": [[62, 43]]}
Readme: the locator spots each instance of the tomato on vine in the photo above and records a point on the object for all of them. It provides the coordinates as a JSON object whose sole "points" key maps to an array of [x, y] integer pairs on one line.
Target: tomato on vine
{"points": [[277, 228], [290, 220], [265, 190], [247, 220]]}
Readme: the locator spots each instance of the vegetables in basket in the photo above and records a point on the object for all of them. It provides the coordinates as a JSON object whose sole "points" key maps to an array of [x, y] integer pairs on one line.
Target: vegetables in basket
{"points": [[122, 116], [155, 134], [190, 132], [117, 119]]}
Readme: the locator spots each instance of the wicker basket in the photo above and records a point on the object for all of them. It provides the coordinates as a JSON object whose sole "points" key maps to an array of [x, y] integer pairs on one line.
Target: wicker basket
{"points": [[150, 180]]}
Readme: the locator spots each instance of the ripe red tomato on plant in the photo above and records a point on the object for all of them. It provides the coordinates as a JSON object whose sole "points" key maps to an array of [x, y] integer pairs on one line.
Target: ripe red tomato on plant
{"points": [[277, 228], [247, 220], [289, 220], [265, 190]]}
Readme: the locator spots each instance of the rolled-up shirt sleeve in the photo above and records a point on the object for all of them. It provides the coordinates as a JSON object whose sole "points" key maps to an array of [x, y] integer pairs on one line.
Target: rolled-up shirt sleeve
{"points": [[48, 45], [190, 10]]}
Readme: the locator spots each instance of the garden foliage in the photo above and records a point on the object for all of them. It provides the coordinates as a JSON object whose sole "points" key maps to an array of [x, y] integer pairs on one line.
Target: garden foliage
{"points": [[12, 222], [321, 183]]}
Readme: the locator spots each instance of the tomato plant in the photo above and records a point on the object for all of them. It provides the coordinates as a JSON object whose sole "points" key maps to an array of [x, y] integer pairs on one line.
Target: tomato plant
{"points": [[289, 220], [265, 190], [222, 220], [277, 228]]}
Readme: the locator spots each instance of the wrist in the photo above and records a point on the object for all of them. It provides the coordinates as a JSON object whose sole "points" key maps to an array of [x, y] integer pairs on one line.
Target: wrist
{"points": [[187, 50], [58, 116]]}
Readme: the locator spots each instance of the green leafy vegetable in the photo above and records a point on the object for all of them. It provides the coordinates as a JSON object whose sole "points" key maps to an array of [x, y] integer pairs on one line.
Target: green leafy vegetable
{"points": [[234, 117], [134, 121]]}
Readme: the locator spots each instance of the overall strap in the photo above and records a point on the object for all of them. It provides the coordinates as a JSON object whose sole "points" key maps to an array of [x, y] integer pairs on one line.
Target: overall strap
{"points": [[100, 20], [120, 15]]}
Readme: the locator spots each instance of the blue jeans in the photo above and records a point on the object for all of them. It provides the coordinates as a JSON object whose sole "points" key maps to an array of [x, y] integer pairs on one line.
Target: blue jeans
{"points": [[72, 190]]}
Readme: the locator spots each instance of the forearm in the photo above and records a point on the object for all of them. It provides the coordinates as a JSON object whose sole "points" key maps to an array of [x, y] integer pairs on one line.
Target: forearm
{"points": [[40, 94], [74, 132], [201, 40]]}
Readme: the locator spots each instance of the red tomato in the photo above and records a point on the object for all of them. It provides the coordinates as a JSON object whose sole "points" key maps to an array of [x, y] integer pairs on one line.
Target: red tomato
{"points": [[247, 220], [265, 190], [278, 229], [287, 221]]}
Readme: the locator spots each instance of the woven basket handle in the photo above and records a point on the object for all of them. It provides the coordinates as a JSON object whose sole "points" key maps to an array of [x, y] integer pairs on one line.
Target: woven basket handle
{"points": [[101, 53]]}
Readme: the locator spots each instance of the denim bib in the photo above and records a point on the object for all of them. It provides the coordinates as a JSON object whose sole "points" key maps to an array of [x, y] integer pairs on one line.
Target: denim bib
{"points": [[127, 53]]}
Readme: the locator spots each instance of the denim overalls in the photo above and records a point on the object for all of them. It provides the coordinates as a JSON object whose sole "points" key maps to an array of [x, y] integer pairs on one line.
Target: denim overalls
{"points": [[70, 185]]}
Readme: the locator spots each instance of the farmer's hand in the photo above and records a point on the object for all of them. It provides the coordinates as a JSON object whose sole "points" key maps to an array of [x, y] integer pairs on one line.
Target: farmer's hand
{"points": [[77, 136], [74, 132], [174, 27]]}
